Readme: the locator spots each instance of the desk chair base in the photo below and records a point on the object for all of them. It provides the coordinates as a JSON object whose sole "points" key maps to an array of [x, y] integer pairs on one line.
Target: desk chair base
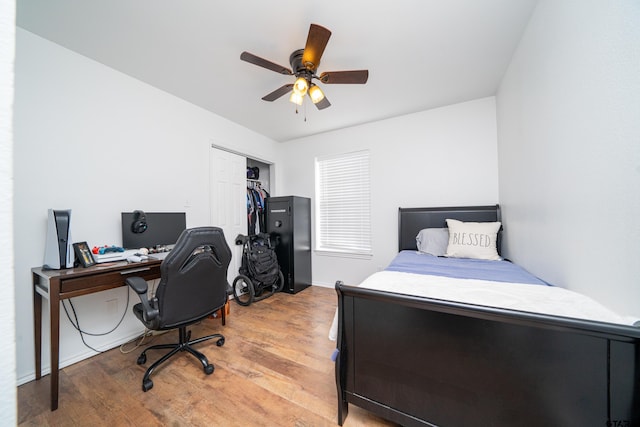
{"points": [[184, 345]]}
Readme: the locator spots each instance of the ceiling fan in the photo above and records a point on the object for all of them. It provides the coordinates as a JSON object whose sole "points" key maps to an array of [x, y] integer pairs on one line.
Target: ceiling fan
{"points": [[304, 65]]}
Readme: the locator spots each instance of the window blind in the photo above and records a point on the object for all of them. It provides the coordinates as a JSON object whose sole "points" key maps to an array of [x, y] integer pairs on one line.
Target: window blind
{"points": [[343, 203]]}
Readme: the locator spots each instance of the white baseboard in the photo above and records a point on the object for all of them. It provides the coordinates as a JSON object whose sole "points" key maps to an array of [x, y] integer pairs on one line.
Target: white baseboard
{"points": [[46, 367]]}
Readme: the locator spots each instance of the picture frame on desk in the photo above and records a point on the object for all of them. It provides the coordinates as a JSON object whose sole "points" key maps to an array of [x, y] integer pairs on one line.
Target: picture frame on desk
{"points": [[83, 254]]}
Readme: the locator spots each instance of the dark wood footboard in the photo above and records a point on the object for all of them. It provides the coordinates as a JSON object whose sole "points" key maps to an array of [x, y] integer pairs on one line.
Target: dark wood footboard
{"points": [[418, 361]]}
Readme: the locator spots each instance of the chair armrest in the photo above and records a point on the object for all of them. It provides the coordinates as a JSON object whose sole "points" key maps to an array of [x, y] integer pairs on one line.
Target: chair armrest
{"points": [[139, 285]]}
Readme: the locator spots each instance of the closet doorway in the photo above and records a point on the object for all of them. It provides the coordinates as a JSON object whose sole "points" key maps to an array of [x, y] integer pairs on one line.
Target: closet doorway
{"points": [[258, 188]]}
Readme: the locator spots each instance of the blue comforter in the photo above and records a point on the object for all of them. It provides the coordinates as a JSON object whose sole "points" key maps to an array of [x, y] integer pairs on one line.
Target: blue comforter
{"points": [[462, 268]]}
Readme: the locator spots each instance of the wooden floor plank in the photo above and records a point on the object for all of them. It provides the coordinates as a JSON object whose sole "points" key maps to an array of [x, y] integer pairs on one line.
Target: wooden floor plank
{"points": [[273, 370]]}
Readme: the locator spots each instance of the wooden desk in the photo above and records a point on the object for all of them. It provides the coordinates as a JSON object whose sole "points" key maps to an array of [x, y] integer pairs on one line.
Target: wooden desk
{"points": [[57, 285]]}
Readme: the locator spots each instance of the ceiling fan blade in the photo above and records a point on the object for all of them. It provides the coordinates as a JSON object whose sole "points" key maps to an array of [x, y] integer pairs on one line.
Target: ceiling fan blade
{"points": [[260, 62], [321, 105], [345, 77], [278, 92], [316, 42]]}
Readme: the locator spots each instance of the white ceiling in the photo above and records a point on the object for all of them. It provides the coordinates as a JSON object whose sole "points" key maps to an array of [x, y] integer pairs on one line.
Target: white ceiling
{"points": [[420, 54]]}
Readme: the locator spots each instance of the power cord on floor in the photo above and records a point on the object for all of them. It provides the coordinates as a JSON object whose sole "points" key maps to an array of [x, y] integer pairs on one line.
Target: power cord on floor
{"points": [[137, 341]]}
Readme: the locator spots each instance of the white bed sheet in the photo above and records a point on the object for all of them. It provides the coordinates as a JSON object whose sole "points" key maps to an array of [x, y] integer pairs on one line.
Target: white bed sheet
{"points": [[550, 300]]}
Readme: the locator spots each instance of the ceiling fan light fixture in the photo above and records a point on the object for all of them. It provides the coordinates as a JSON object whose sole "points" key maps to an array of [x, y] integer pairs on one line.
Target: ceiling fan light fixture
{"points": [[316, 94], [300, 86], [296, 98]]}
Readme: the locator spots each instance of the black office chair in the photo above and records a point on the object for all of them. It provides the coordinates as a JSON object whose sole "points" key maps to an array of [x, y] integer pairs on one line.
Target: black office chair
{"points": [[193, 285]]}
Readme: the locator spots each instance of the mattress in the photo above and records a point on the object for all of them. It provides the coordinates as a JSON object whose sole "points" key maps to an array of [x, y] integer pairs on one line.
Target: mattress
{"points": [[498, 284]]}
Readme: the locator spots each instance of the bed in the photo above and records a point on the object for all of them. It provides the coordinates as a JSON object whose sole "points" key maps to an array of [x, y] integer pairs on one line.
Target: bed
{"points": [[420, 360]]}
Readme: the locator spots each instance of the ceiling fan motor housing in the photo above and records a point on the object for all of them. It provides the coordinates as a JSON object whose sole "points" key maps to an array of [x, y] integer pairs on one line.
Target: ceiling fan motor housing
{"points": [[299, 69]]}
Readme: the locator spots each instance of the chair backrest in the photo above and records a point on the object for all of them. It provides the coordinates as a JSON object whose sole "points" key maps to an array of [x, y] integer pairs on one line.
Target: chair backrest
{"points": [[193, 280]]}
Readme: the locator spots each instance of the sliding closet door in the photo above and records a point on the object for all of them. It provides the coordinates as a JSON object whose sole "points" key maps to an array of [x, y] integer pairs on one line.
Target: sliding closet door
{"points": [[228, 199]]}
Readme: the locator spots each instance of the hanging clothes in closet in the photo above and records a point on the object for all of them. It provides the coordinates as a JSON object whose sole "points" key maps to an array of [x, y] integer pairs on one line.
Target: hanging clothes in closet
{"points": [[255, 207]]}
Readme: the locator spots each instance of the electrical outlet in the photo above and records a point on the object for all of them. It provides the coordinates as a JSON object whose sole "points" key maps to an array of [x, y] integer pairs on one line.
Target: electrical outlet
{"points": [[112, 306]]}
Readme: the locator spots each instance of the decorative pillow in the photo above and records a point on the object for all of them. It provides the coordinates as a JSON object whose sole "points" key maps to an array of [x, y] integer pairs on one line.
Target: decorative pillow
{"points": [[433, 241], [473, 240]]}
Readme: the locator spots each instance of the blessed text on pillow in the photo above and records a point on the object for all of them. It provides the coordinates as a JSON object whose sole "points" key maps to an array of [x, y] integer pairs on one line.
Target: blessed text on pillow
{"points": [[473, 240]]}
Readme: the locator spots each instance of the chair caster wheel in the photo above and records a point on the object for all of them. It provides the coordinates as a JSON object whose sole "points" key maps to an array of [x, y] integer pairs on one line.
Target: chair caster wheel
{"points": [[220, 342], [209, 369], [142, 359], [147, 385]]}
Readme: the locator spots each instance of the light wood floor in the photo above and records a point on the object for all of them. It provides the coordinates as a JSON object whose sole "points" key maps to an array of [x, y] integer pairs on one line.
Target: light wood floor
{"points": [[274, 370]]}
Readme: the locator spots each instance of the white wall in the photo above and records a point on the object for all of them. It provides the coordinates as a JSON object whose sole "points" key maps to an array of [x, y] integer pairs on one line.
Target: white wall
{"points": [[98, 142], [441, 157], [569, 149], [8, 412]]}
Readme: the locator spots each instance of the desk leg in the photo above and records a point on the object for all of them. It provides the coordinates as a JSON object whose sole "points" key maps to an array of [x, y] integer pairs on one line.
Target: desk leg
{"points": [[37, 326], [54, 310]]}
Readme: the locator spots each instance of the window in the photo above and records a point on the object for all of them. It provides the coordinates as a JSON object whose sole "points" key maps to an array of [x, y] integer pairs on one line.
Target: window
{"points": [[343, 203]]}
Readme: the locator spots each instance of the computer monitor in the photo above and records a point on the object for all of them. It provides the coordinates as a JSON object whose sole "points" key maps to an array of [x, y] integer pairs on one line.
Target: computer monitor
{"points": [[162, 229]]}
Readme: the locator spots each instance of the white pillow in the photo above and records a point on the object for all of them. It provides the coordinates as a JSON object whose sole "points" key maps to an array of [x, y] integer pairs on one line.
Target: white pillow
{"points": [[473, 240], [433, 241]]}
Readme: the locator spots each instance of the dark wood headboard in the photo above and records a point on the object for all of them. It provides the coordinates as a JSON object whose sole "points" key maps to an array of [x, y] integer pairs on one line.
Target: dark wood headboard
{"points": [[412, 220]]}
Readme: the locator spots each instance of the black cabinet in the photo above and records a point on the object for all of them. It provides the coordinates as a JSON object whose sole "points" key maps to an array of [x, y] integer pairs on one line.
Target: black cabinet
{"points": [[288, 221]]}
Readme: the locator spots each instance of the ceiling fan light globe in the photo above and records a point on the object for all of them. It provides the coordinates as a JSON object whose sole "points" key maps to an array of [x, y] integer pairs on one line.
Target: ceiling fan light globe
{"points": [[300, 86], [316, 94], [296, 98]]}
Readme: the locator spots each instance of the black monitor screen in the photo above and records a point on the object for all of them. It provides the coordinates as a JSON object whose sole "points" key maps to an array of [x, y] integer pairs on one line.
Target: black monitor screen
{"points": [[163, 228]]}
